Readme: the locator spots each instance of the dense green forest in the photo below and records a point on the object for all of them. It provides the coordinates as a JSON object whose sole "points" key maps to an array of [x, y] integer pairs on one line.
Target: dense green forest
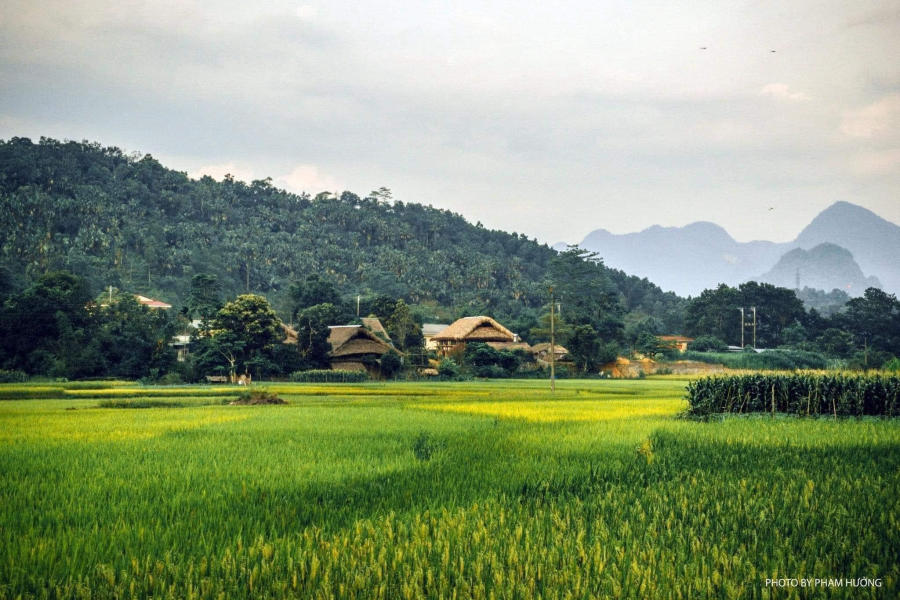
{"points": [[126, 221], [84, 221]]}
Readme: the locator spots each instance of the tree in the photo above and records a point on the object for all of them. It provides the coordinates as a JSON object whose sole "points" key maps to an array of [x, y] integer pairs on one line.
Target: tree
{"points": [[312, 334], [244, 329], [135, 339], [404, 329], [204, 299], [585, 348], [390, 365], [49, 328], [874, 321], [585, 293], [717, 312], [312, 291]]}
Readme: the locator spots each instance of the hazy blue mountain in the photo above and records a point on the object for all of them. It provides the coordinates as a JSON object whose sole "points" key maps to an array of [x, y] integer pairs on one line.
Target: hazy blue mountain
{"points": [[823, 267], [701, 255], [873, 241], [686, 259]]}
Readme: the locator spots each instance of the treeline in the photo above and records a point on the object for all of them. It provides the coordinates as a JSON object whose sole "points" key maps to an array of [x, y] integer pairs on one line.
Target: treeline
{"points": [[864, 334], [126, 221]]}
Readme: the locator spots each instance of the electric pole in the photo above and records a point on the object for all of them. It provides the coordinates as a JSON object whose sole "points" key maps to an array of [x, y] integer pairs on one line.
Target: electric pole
{"points": [[754, 328], [552, 343], [742, 327]]}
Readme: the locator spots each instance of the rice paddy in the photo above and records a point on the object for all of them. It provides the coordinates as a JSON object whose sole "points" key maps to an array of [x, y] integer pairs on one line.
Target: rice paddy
{"points": [[439, 490]]}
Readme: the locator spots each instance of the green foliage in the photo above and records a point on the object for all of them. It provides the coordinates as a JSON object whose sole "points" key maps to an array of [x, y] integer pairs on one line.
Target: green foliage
{"points": [[448, 368], [798, 394], [584, 348], [312, 334], [716, 312], [787, 360], [204, 299], [245, 328], [892, 365], [312, 291], [125, 220], [484, 361], [390, 365], [257, 396], [329, 376], [7, 376], [707, 343]]}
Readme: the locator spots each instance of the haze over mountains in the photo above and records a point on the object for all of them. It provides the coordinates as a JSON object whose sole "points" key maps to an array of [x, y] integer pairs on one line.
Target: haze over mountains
{"points": [[701, 255]]}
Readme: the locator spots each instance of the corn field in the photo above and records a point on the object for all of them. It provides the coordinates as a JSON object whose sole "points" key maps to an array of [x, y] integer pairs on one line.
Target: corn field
{"points": [[598, 491], [808, 394]]}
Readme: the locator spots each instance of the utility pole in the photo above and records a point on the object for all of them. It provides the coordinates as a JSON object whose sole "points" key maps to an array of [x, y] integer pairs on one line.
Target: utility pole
{"points": [[754, 328], [357, 306], [742, 327], [552, 343]]}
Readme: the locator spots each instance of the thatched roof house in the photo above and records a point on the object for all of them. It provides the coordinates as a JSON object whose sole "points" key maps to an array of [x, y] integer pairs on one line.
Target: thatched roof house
{"points": [[472, 329], [374, 325], [675, 342], [429, 330], [354, 346], [542, 351]]}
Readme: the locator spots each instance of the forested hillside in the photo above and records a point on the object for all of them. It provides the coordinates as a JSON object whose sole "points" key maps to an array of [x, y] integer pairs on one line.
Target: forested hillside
{"points": [[126, 221]]}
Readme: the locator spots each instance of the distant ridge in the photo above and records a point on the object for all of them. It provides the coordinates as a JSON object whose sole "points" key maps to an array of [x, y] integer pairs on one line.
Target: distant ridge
{"points": [[701, 255], [824, 267], [873, 241]]}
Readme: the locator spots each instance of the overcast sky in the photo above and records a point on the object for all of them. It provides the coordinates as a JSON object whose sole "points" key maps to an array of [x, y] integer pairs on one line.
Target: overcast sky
{"points": [[550, 120]]}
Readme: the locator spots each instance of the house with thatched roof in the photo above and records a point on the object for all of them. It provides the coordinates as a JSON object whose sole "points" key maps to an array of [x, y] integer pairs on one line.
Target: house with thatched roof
{"points": [[355, 348], [455, 336], [374, 325], [674, 342], [429, 330], [542, 351]]}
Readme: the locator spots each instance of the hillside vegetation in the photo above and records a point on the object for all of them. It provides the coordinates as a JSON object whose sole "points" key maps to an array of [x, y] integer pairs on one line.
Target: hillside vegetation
{"points": [[124, 220]]}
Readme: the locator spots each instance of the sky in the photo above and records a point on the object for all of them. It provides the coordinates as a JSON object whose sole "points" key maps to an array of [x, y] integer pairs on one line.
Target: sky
{"points": [[550, 120]]}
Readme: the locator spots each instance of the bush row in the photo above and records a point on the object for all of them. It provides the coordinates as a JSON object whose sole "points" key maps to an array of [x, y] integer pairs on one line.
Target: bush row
{"points": [[329, 376], [799, 394], [7, 376], [772, 360]]}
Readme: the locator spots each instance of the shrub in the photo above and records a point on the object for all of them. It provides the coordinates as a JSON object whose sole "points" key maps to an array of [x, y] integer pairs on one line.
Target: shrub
{"points": [[12, 376], [891, 365], [708, 343], [448, 368], [258, 396], [329, 376], [390, 365]]}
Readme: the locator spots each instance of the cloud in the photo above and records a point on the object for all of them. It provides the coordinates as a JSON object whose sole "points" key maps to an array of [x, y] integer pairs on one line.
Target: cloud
{"points": [[781, 91], [218, 172], [877, 163], [308, 178], [879, 119]]}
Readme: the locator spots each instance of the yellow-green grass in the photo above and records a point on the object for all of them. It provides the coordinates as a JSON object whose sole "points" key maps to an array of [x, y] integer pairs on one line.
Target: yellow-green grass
{"points": [[599, 490]]}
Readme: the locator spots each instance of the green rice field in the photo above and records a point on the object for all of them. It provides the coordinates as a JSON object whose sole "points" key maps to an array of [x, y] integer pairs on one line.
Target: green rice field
{"points": [[438, 490]]}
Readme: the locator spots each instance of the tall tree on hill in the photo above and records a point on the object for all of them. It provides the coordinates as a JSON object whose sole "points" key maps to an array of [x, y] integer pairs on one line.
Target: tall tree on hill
{"points": [[311, 291], [204, 299]]}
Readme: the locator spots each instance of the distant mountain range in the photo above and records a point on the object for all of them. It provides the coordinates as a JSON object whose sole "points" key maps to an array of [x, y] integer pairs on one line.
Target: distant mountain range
{"points": [[824, 267], [861, 249]]}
